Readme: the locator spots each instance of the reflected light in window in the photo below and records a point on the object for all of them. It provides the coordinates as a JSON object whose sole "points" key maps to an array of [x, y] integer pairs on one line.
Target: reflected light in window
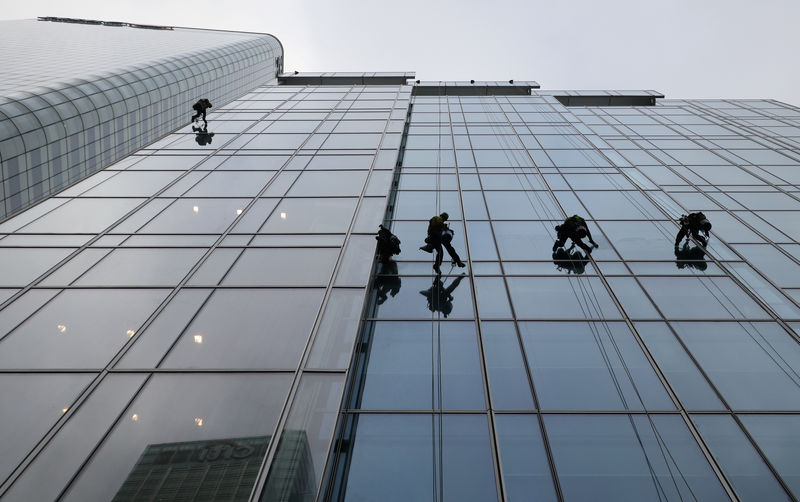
{"points": [[238, 211], [135, 417], [196, 209], [198, 338], [283, 216], [64, 410], [130, 333], [61, 328], [198, 421]]}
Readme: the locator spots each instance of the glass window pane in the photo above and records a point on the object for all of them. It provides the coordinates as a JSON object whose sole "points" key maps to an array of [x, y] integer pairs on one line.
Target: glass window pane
{"points": [[590, 366], [424, 205], [318, 215], [701, 298], [333, 343], [354, 266], [305, 438], [750, 477], [20, 266], [142, 267], [778, 436], [447, 296], [561, 298], [492, 297], [133, 184], [406, 444], [185, 413], [283, 267], [583, 444], [196, 216], [467, 466], [508, 380], [231, 184], [29, 405], [418, 365], [153, 344], [243, 329], [82, 216], [754, 365], [81, 328], [691, 388], [526, 470], [328, 183], [52, 469]]}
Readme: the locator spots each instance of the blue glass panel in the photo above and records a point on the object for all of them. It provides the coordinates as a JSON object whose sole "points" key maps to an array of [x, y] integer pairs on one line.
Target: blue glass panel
{"points": [[508, 380], [691, 388], [526, 471], [754, 365], [467, 467], [561, 298], [418, 365], [421, 298], [751, 478], [778, 436], [628, 458], [590, 366], [405, 446], [492, 298]]}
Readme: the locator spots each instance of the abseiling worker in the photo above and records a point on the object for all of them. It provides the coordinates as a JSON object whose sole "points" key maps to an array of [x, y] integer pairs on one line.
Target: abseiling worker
{"points": [[575, 229], [440, 234], [200, 107], [693, 224]]}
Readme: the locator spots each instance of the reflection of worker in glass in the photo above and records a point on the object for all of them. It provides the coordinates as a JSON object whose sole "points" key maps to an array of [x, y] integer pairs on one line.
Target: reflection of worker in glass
{"points": [[440, 298], [387, 283], [692, 224], [575, 229], [440, 234], [574, 262], [203, 137], [690, 257]]}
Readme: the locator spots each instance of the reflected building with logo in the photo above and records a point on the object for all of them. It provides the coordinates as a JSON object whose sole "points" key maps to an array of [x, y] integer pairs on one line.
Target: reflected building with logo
{"points": [[220, 469], [192, 290]]}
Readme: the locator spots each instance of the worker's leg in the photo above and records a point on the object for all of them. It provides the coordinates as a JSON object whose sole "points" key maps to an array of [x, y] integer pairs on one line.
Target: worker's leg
{"points": [[681, 234], [580, 244], [453, 254]]}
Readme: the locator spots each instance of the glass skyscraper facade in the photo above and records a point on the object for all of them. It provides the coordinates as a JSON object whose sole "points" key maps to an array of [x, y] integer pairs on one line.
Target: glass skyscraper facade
{"points": [[77, 95], [207, 319]]}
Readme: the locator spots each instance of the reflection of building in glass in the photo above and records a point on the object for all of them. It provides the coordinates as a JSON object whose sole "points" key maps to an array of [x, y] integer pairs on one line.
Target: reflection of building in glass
{"points": [[219, 469]]}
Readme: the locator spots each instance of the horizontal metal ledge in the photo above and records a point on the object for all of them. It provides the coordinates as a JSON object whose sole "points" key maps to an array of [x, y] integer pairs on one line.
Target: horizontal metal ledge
{"points": [[607, 100], [473, 89]]}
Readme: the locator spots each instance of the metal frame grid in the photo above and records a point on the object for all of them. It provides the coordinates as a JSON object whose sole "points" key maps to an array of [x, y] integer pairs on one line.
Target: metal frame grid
{"points": [[535, 141], [62, 131], [254, 230]]}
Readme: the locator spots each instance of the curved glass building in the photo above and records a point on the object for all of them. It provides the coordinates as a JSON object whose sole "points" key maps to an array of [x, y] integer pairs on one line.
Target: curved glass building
{"points": [[78, 95]]}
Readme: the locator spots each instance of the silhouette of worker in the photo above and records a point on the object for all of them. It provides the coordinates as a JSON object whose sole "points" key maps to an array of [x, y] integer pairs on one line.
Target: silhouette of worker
{"points": [[388, 282], [693, 224], [388, 244], [200, 107], [440, 234], [690, 257], [440, 298], [575, 229], [202, 136], [574, 262]]}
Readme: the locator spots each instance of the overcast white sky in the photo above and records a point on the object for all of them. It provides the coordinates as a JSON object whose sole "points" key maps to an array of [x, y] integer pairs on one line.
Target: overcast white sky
{"points": [[683, 48]]}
